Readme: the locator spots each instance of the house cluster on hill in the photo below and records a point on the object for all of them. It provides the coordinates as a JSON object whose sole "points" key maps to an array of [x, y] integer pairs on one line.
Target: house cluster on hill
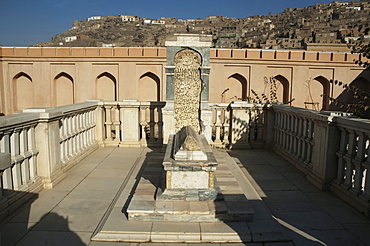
{"points": [[326, 24]]}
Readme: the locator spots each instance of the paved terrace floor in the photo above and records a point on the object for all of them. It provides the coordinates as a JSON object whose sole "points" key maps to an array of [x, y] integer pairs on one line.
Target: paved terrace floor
{"points": [[72, 212]]}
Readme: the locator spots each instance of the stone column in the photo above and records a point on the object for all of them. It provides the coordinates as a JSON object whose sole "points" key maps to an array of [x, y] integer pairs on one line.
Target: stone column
{"points": [[130, 124], [47, 136]]}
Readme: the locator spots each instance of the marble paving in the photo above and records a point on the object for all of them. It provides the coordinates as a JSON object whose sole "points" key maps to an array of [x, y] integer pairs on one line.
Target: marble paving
{"points": [[188, 220], [90, 203]]}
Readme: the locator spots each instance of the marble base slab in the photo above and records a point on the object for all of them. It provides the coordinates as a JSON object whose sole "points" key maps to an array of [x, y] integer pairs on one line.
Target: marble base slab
{"points": [[226, 203]]}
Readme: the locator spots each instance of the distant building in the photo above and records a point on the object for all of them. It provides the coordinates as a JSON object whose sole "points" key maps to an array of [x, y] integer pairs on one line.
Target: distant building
{"points": [[70, 39], [94, 18], [128, 18]]}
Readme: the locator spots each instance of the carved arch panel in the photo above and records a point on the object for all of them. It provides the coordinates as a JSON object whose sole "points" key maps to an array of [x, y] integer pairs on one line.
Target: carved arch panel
{"points": [[282, 88], [106, 85], [149, 87], [235, 88], [318, 93], [63, 89], [23, 88]]}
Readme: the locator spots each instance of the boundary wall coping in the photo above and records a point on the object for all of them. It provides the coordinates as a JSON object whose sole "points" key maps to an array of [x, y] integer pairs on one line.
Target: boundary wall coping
{"points": [[160, 52]]}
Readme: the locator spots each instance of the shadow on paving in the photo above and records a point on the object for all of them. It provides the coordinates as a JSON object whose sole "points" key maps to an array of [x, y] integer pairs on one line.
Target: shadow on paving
{"points": [[10, 204], [311, 216], [20, 228], [153, 176]]}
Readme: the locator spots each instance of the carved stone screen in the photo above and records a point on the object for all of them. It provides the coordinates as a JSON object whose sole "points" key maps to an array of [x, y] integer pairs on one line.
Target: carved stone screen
{"points": [[187, 89]]}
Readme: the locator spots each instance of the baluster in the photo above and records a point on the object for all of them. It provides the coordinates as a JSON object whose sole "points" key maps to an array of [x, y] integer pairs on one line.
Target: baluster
{"points": [[281, 130], [275, 133], [108, 123], [226, 125], [366, 192], [357, 161], [23, 148], [260, 123], [70, 137], [348, 158], [342, 151], [116, 124], [14, 151], [285, 131], [7, 175], [218, 125], [83, 124], [151, 123], [278, 133], [143, 124], [304, 140], [75, 133], [85, 129], [34, 152], [292, 135], [311, 143], [64, 139], [299, 138], [90, 125], [89, 131], [160, 124], [80, 131], [122, 132]]}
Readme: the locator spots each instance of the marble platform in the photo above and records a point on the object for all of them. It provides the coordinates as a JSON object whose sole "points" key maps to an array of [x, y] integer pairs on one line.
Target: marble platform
{"points": [[167, 228], [231, 203]]}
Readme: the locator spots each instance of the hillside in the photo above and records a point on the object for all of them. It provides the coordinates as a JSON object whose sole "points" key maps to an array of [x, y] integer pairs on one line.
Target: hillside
{"points": [[331, 23]]}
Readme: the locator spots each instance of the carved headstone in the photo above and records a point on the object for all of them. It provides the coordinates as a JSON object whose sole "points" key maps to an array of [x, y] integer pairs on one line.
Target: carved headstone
{"points": [[187, 88]]}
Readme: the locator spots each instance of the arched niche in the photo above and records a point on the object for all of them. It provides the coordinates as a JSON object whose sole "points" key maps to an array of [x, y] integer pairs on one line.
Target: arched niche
{"points": [[318, 94], [282, 88], [235, 88], [63, 89], [106, 87], [149, 87], [23, 91]]}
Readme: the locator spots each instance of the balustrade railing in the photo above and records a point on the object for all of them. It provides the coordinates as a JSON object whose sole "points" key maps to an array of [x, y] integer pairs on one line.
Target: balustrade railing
{"points": [[39, 145], [247, 125], [294, 133], [220, 125], [76, 133], [18, 139], [353, 166], [18, 156], [132, 123], [332, 150]]}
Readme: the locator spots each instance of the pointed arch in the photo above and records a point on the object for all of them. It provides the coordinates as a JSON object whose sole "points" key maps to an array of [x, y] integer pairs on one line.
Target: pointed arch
{"points": [[23, 89], [149, 87], [318, 93], [236, 86], [282, 88], [106, 85], [63, 89]]}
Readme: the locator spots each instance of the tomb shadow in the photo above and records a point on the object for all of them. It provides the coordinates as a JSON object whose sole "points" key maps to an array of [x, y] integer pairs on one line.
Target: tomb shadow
{"points": [[151, 171]]}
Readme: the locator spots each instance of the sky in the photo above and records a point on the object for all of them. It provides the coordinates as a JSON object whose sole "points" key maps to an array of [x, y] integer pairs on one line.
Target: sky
{"points": [[26, 22]]}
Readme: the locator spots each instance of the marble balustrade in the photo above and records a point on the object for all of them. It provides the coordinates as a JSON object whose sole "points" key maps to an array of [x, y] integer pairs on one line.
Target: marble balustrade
{"points": [[38, 145]]}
